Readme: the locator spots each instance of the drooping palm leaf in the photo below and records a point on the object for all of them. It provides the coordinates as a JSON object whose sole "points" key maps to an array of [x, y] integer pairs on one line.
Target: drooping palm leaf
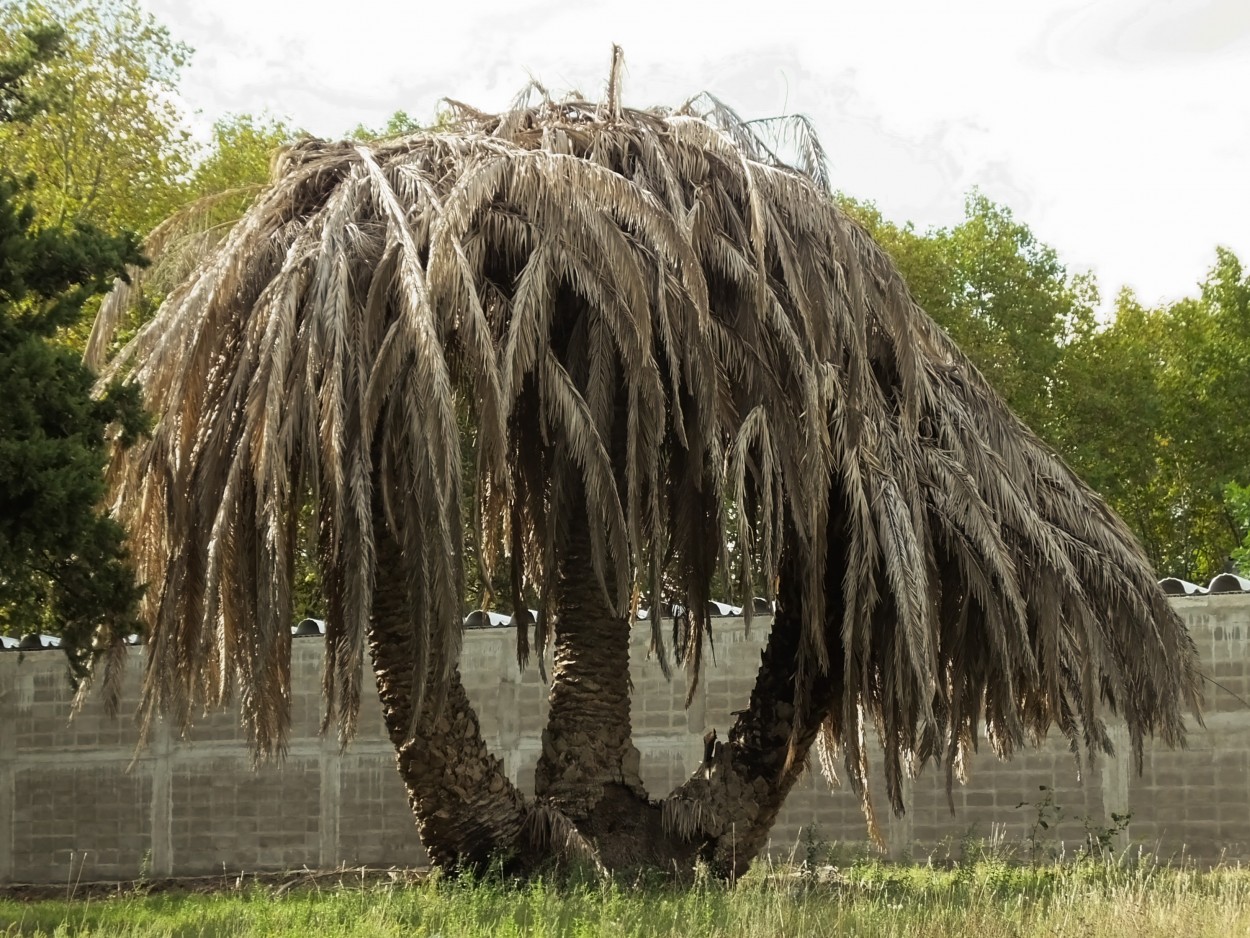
{"points": [[644, 314]]}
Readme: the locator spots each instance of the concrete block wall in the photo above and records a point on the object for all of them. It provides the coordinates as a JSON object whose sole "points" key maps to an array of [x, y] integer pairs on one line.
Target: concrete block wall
{"points": [[77, 802]]}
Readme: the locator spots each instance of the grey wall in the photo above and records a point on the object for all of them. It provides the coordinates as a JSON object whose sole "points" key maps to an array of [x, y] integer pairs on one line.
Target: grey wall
{"points": [[77, 803]]}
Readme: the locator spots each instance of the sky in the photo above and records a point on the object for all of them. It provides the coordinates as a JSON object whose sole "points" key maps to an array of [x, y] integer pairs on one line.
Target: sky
{"points": [[1118, 130]]}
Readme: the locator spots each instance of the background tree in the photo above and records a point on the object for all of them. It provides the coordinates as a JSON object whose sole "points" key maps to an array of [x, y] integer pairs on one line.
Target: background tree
{"points": [[113, 150], [236, 164], [62, 564], [1111, 420], [397, 125], [1003, 296], [1238, 499], [1206, 381], [1151, 411], [110, 149], [27, 54]]}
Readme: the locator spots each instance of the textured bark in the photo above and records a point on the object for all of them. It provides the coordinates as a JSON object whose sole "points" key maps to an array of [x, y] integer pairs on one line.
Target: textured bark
{"points": [[730, 804], [589, 765], [469, 813], [467, 810], [586, 743]]}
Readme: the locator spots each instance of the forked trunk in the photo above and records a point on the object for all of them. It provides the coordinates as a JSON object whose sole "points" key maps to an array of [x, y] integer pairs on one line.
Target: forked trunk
{"points": [[469, 813], [589, 767], [467, 810], [591, 801]]}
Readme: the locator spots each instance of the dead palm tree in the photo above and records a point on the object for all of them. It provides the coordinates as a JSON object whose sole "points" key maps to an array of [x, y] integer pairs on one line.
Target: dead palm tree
{"points": [[652, 326]]}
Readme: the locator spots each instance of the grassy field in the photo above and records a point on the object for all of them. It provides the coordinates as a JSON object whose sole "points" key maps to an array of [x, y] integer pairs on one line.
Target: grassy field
{"points": [[867, 899]]}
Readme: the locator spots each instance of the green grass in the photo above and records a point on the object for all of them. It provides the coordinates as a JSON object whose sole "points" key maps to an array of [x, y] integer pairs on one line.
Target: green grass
{"points": [[988, 898]]}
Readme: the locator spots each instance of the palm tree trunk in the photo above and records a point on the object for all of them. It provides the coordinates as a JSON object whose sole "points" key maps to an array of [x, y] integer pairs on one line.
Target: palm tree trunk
{"points": [[467, 810], [589, 766], [586, 744], [730, 804]]}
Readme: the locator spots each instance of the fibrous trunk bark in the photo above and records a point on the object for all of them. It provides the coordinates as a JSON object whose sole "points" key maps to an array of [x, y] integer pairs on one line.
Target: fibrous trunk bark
{"points": [[467, 810], [590, 797], [589, 767], [587, 743], [730, 804]]}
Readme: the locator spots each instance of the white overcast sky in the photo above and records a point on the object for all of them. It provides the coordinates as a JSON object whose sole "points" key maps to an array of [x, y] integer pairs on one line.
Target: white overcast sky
{"points": [[1119, 130]]}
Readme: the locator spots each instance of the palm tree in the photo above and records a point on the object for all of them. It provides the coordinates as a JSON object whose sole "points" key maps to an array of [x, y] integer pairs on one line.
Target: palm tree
{"points": [[662, 338]]}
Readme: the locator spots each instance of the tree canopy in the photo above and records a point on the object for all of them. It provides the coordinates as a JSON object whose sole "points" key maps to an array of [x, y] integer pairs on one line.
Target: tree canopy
{"points": [[1006, 298], [117, 152], [1151, 410], [110, 148], [62, 564], [1238, 498]]}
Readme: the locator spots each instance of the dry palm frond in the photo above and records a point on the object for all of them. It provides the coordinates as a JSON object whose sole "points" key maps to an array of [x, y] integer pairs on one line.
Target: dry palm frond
{"points": [[648, 309], [547, 828], [688, 818], [178, 244]]}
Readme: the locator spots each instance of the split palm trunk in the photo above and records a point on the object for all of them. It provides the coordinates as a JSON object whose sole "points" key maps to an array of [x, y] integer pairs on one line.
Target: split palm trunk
{"points": [[587, 743], [589, 767], [469, 813], [590, 800]]}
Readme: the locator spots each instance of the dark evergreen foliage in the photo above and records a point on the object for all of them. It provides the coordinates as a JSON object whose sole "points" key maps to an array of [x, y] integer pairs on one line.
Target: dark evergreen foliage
{"points": [[62, 563]]}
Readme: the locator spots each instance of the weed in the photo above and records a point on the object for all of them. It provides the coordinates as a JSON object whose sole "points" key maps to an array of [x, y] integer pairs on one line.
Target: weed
{"points": [[1046, 815], [1102, 840]]}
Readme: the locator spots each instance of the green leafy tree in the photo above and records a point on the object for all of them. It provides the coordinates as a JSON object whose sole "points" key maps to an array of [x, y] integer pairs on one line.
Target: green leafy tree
{"points": [[238, 162], [1238, 499], [1150, 410], [28, 52], [1003, 295], [1205, 382], [113, 149], [62, 563], [1210, 370], [1110, 418], [397, 125]]}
